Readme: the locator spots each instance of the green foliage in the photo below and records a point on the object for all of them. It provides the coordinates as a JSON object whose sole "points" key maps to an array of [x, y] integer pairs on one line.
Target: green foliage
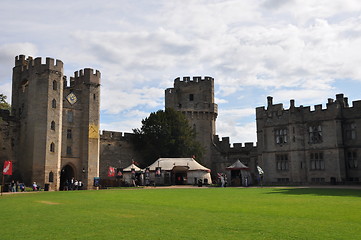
{"points": [[3, 103], [196, 213], [166, 134]]}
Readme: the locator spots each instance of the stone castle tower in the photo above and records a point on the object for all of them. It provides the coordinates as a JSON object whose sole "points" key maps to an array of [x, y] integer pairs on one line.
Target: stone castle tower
{"points": [[195, 99], [57, 125]]}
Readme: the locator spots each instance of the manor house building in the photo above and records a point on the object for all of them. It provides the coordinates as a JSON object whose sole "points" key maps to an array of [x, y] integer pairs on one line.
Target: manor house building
{"points": [[303, 146]]}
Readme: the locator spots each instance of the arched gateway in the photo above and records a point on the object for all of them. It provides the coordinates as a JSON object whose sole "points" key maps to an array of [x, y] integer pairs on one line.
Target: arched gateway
{"points": [[67, 173]]}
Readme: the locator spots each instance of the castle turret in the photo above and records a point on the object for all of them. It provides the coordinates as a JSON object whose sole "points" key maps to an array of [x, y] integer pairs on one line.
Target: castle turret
{"points": [[195, 98], [37, 106], [80, 156]]}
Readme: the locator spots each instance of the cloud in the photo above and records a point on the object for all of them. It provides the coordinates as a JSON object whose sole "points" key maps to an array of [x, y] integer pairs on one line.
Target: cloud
{"points": [[115, 101], [287, 49], [238, 124], [7, 57]]}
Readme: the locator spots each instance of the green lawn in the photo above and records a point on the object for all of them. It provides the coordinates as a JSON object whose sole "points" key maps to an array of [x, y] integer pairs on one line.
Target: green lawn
{"points": [[195, 213]]}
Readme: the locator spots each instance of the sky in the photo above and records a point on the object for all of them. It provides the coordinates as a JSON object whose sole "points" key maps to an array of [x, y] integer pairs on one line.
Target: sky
{"points": [[304, 50]]}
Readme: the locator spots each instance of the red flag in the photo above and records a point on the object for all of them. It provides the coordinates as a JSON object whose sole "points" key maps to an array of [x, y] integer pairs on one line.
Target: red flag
{"points": [[111, 172], [8, 168]]}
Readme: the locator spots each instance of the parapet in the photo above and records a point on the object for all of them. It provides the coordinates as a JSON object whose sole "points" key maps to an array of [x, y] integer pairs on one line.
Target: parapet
{"points": [[225, 146], [195, 79], [112, 135], [86, 72], [86, 75], [332, 107], [29, 62]]}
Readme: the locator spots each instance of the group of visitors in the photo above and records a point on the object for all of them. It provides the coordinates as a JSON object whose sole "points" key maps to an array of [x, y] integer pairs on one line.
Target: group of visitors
{"points": [[16, 186], [223, 179], [73, 184]]}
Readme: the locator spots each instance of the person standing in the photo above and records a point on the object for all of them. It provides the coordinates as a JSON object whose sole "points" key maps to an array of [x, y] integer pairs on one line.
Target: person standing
{"points": [[35, 186], [222, 180], [72, 184], [66, 185], [13, 186], [76, 184]]}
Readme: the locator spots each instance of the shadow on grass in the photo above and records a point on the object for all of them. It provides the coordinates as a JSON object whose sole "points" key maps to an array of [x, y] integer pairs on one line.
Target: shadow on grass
{"points": [[318, 192]]}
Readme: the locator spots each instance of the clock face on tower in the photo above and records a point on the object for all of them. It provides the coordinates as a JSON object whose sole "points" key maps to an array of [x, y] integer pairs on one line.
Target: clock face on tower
{"points": [[71, 98]]}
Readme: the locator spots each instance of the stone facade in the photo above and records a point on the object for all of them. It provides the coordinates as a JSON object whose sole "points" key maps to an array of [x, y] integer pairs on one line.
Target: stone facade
{"points": [[55, 127], [116, 150], [194, 97], [301, 146], [52, 133]]}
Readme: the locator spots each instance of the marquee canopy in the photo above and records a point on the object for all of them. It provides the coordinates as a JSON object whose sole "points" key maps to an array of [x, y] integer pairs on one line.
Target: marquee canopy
{"points": [[237, 165], [168, 164], [132, 166]]}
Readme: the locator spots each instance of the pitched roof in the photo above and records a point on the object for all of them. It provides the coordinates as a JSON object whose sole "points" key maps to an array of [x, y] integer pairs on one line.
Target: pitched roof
{"points": [[237, 165], [129, 168], [169, 163]]}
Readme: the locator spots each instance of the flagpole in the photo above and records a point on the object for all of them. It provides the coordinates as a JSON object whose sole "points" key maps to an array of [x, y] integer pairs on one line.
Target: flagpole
{"points": [[2, 185]]}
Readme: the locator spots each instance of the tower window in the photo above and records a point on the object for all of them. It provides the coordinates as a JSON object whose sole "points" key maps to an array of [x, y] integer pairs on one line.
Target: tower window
{"points": [[352, 159], [69, 116], [52, 147], [281, 135], [55, 85], [53, 103], [69, 134], [350, 131], [316, 161], [52, 127], [51, 177], [191, 97], [315, 133], [68, 150], [282, 162]]}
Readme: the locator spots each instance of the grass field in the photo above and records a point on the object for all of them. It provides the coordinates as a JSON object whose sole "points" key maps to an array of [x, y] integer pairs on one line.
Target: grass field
{"points": [[194, 213]]}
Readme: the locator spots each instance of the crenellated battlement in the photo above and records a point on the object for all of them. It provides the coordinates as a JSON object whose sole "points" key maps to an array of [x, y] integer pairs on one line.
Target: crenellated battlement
{"points": [[225, 145], [86, 72], [113, 135], [86, 75], [195, 79], [37, 63], [333, 107]]}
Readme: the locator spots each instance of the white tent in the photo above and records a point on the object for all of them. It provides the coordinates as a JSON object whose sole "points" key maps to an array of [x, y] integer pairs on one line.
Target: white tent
{"points": [[180, 171], [132, 166], [127, 172], [240, 174]]}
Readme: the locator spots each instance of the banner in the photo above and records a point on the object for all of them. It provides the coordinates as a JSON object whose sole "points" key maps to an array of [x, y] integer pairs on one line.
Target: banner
{"points": [[111, 172], [119, 172], [158, 171], [8, 168]]}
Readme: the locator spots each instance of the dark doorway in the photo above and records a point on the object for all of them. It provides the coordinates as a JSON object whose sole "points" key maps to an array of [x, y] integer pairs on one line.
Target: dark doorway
{"points": [[236, 178], [67, 173], [180, 174], [180, 178]]}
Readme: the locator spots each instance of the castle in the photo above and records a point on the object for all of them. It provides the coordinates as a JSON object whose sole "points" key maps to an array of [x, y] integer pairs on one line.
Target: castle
{"points": [[299, 146], [52, 133]]}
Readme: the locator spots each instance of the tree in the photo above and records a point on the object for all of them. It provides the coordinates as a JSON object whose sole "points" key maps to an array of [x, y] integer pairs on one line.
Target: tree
{"points": [[3, 103], [166, 134]]}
